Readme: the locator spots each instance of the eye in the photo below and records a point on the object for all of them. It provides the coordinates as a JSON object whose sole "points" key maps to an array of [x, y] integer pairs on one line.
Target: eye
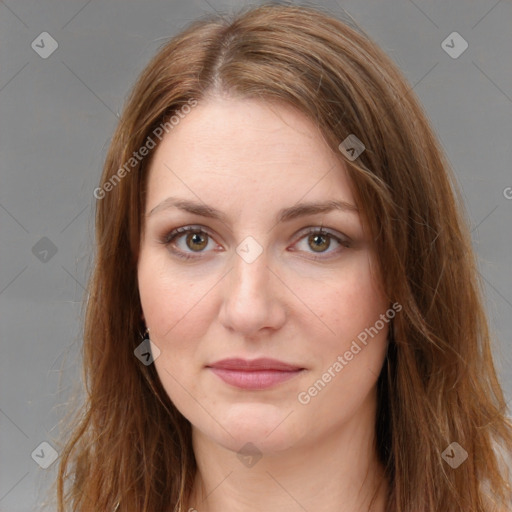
{"points": [[319, 241], [187, 240]]}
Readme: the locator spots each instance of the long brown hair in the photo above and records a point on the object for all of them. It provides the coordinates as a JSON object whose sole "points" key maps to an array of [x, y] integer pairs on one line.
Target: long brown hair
{"points": [[128, 444]]}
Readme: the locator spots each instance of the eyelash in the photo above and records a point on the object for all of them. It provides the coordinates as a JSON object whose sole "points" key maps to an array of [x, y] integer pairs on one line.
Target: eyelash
{"points": [[176, 233]]}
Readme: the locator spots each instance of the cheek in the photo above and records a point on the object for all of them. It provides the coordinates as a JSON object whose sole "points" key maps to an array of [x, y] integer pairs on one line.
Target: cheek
{"points": [[346, 302], [352, 357], [177, 312], [175, 303], [346, 364]]}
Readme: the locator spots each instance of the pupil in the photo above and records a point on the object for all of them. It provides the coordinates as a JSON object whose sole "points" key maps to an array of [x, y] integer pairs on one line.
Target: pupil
{"points": [[198, 240], [318, 246]]}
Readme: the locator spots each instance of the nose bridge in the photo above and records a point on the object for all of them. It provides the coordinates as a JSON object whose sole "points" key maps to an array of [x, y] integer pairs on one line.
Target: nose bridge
{"points": [[250, 302], [250, 277]]}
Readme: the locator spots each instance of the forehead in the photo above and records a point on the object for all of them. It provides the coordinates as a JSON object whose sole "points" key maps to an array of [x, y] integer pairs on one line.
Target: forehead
{"points": [[241, 150]]}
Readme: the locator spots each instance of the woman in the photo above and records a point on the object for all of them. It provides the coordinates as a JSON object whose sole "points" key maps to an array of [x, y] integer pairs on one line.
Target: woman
{"points": [[284, 312]]}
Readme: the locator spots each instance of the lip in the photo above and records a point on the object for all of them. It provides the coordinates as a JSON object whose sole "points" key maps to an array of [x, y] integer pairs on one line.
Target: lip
{"points": [[262, 363], [254, 374]]}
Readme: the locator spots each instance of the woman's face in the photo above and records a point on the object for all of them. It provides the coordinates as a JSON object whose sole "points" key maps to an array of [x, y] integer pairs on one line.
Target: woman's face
{"points": [[255, 279]]}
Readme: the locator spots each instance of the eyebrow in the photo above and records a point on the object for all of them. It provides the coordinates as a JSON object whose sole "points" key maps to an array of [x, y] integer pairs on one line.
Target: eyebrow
{"points": [[286, 214]]}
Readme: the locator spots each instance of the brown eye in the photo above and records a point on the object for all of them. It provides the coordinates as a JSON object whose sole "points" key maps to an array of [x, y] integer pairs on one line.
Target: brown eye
{"points": [[196, 241], [188, 242], [319, 242]]}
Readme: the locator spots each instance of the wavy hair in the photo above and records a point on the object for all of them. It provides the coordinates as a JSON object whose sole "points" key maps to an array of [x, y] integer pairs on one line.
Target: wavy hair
{"points": [[128, 447]]}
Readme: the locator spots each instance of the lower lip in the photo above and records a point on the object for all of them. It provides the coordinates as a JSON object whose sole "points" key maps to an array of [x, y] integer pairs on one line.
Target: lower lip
{"points": [[259, 379]]}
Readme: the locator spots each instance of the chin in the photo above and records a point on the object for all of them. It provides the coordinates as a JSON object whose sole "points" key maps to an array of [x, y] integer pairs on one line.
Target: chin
{"points": [[266, 426]]}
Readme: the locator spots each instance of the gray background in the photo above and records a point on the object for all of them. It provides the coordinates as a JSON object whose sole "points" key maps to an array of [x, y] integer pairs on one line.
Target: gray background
{"points": [[58, 114]]}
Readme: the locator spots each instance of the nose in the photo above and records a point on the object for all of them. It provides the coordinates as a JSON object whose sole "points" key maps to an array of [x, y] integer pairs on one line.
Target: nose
{"points": [[252, 301]]}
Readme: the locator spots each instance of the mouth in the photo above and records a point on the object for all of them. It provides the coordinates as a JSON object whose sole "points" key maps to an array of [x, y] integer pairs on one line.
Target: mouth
{"points": [[257, 374]]}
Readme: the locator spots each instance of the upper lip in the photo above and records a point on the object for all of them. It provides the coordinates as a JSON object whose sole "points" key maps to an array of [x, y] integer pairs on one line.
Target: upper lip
{"points": [[262, 363]]}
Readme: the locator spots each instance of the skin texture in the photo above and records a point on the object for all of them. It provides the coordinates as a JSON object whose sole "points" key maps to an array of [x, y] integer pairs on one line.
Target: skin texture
{"points": [[251, 159]]}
